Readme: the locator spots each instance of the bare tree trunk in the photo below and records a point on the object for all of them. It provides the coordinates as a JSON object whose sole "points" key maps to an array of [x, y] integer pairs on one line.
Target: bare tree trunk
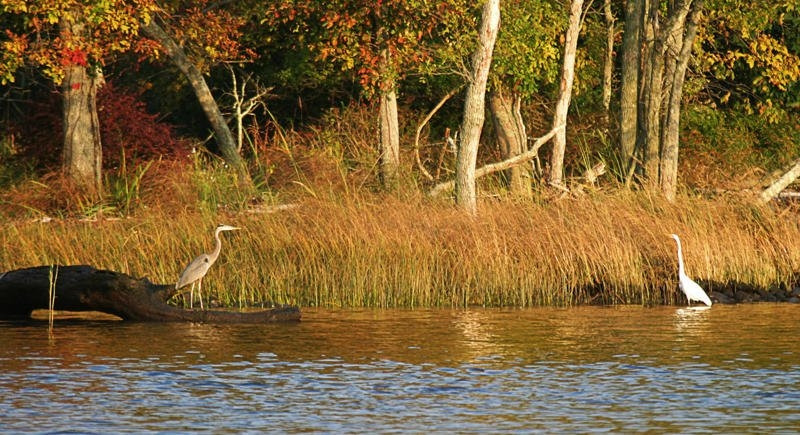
{"points": [[652, 133], [225, 140], [778, 185], [390, 139], [669, 157], [83, 154], [565, 92], [629, 82], [472, 124], [646, 36], [608, 62], [511, 137], [656, 106]]}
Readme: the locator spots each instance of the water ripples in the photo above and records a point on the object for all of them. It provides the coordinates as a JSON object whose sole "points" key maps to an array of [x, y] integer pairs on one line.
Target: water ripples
{"points": [[616, 370]]}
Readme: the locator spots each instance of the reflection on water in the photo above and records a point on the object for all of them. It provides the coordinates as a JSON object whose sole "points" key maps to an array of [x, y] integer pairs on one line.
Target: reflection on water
{"points": [[723, 369]]}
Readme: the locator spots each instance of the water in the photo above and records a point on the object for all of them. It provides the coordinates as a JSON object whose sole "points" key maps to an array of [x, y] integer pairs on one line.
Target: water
{"points": [[623, 369]]}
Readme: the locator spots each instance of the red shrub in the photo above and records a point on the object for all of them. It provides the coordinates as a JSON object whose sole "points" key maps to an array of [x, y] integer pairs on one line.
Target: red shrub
{"points": [[124, 124]]}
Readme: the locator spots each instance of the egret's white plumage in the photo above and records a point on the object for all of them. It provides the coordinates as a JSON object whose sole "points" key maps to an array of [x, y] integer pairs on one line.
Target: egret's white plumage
{"points": [[198, 268], [691, 289]]}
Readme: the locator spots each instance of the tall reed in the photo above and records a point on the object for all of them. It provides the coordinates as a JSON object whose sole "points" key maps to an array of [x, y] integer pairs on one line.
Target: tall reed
{"points": [[381, 251]]}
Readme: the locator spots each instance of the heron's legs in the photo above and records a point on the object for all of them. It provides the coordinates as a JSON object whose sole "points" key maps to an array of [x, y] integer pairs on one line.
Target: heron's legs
{"points": [[191, 296], [199, 294]]}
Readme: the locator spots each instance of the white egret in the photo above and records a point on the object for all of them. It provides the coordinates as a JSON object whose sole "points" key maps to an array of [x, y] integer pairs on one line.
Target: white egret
{"points": [[691, 289], [198, 268]]}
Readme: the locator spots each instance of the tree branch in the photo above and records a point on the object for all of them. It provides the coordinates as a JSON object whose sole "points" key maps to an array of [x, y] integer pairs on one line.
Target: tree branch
{"points": [[422, 125], [505, 164]]}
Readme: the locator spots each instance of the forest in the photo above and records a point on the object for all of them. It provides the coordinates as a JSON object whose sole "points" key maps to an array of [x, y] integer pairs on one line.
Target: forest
{"points": [[407, 153]]}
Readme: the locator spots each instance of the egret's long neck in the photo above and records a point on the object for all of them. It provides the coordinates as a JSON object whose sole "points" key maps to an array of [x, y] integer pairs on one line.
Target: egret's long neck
{"points": [[680, 257]]}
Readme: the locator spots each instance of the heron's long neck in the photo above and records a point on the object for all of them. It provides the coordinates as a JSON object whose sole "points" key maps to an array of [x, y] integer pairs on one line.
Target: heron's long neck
{"points": [[680, 257], [218, 247]]}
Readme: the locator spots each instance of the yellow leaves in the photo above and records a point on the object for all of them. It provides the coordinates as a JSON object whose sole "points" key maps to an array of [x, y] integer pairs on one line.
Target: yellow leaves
{"points": [[14, 6], [11, 56]]}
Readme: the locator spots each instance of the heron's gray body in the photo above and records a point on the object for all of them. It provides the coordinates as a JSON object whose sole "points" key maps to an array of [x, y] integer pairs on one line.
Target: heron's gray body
{"points": [[198, 268]]}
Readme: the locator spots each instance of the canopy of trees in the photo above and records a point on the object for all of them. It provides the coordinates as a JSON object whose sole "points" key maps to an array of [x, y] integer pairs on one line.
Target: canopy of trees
{"points": [[656, 72]]}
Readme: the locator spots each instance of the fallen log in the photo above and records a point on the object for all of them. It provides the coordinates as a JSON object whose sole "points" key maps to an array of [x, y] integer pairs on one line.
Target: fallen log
{"points": [[84, 288]]}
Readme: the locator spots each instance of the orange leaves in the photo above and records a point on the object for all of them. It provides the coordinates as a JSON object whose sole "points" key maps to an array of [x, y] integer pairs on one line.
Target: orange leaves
{"points": [[73, 57]]}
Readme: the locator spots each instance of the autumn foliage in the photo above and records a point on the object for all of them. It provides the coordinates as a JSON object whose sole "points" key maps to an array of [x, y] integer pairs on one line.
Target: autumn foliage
{"points": [[125, 125]]}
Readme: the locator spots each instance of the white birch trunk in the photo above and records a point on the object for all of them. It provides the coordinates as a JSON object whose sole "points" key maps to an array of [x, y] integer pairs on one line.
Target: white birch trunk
{"points": [[474, 108], [565, 93]]}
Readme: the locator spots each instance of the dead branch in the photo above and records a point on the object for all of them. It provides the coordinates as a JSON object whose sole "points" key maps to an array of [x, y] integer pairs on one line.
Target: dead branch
{"points": [[505, 164], [781, 183]]}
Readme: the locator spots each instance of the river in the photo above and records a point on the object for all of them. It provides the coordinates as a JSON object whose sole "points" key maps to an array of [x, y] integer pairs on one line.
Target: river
{"points": [[618, 369]]}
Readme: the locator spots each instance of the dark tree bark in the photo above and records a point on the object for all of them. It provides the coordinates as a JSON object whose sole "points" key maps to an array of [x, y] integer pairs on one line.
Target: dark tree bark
{"points": [[629, 82], [83, 155], [84, 288], [652, 119], [664, 44], [225, 140]]}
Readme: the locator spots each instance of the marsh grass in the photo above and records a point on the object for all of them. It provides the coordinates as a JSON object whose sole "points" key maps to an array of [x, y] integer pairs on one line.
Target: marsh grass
{"points": [[385, 251]]}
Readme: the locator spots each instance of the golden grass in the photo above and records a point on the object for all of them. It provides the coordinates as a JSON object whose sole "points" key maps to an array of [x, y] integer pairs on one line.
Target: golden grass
{"points": [[381, 251]]}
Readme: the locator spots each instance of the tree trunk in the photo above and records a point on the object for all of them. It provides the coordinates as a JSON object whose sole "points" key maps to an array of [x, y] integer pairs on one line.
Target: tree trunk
{"points": [[390, 139], [84, 288], [629, 82], [659, 81], [608, 62], [646, 35], [669, 157], [652, 133], [472, 124], [778, 185], [83, 153], [565, 93], [225, 140], [511, 137]]}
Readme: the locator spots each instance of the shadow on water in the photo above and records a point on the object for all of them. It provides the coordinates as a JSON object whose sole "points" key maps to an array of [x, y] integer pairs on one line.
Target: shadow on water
{"points": [[565, 369]]}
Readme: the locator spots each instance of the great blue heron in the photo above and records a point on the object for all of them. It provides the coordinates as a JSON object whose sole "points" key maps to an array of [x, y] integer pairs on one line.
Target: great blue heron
{"points": [[198, 268], [691, 289]]}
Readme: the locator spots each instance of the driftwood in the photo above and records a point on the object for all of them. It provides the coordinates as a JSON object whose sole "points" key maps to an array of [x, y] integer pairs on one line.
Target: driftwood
{"points": [[84, 288]]}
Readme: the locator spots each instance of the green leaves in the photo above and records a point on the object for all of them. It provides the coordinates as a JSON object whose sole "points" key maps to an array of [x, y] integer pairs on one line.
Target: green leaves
{"points": [[749, 53]]}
